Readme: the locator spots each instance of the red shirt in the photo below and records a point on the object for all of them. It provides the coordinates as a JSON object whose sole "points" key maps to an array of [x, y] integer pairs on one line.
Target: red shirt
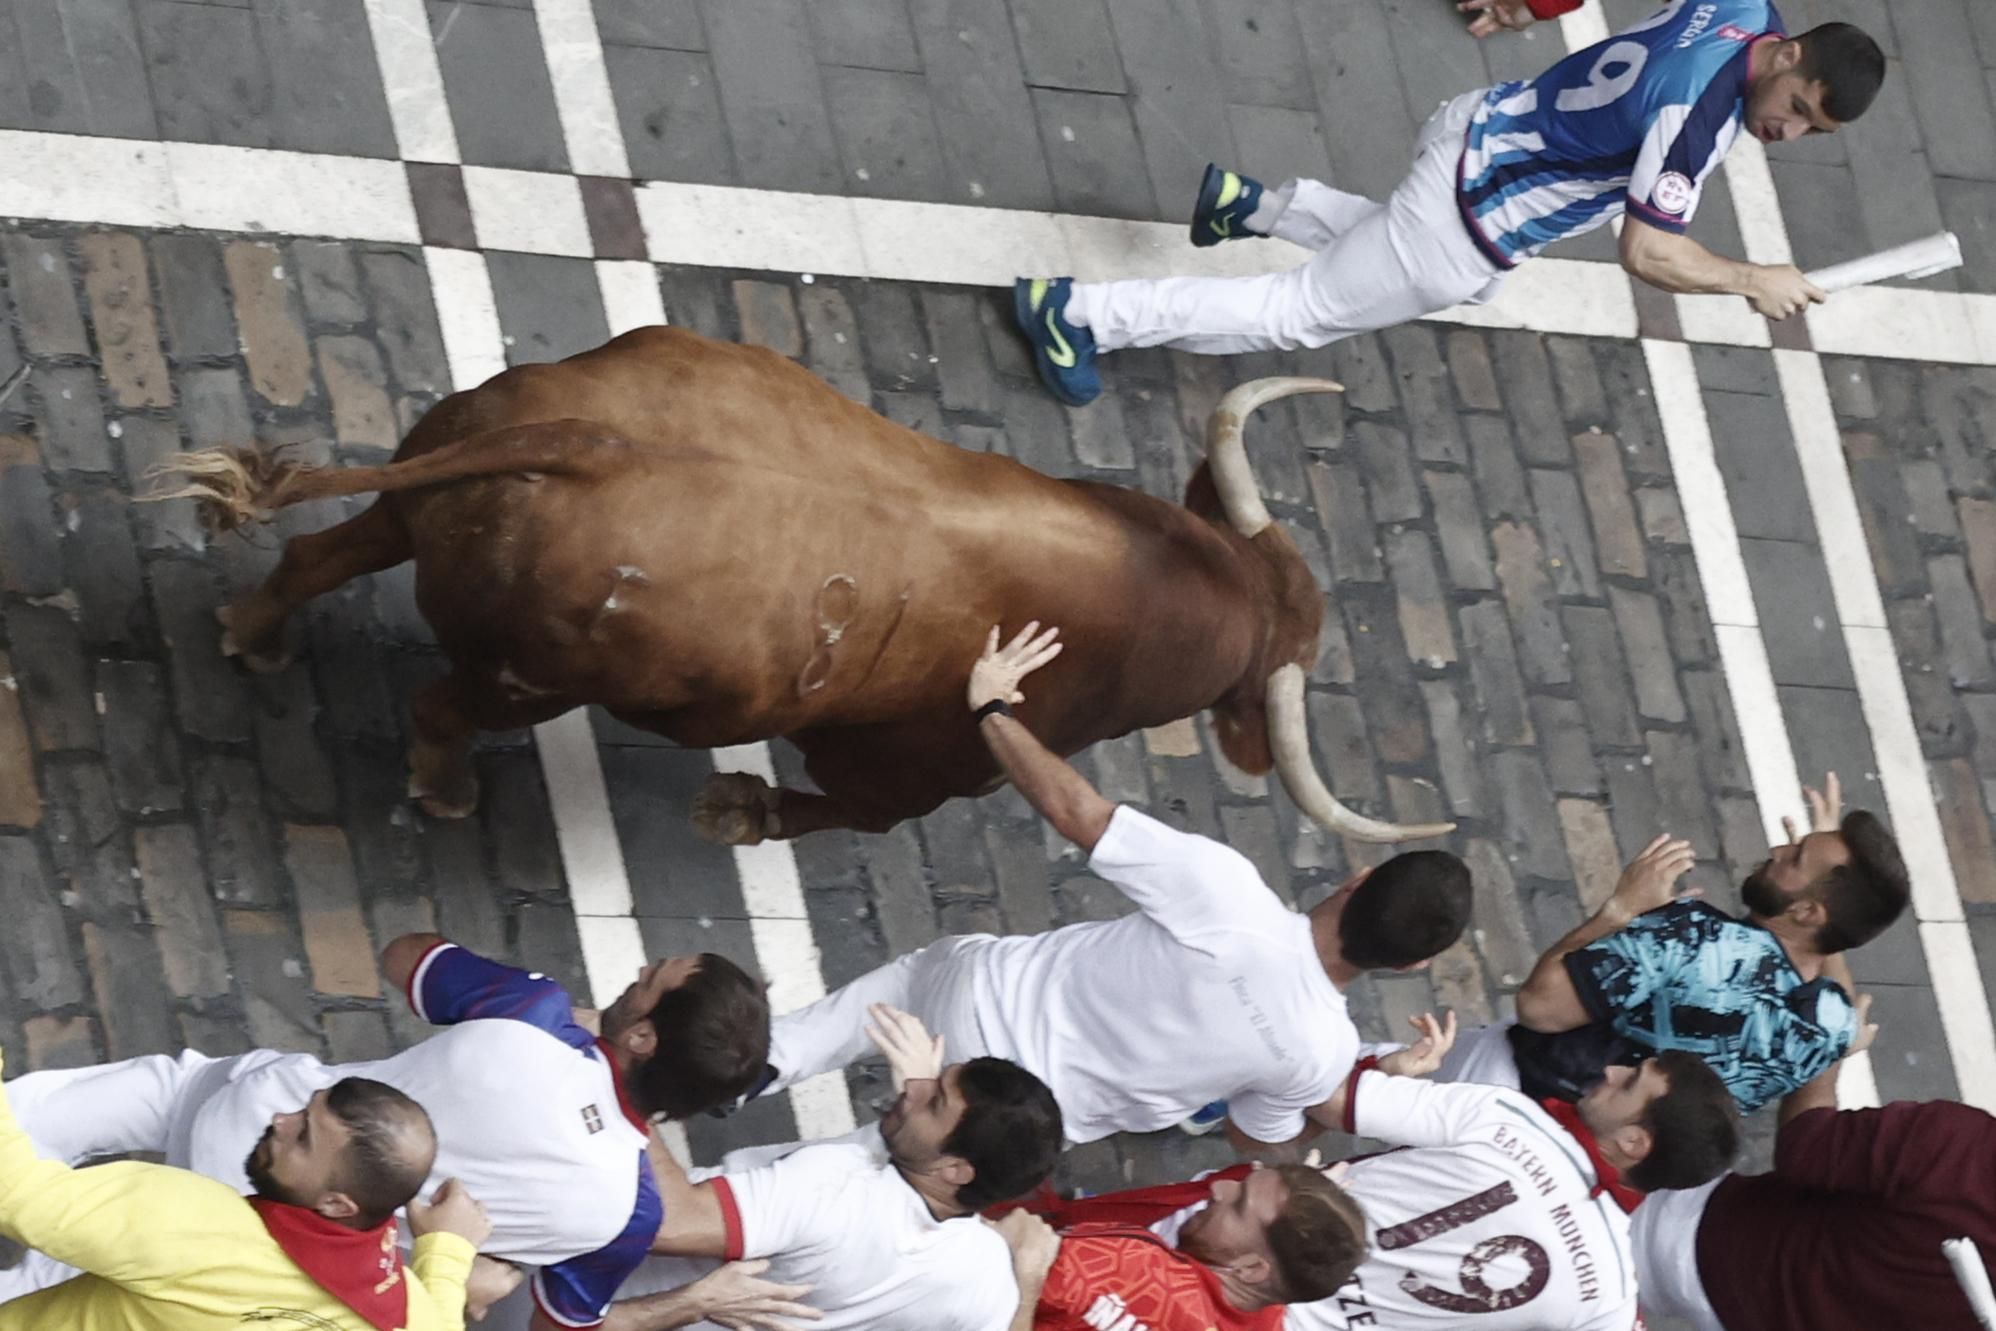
{"points": [[1845, 1234], [1111, 1275]]}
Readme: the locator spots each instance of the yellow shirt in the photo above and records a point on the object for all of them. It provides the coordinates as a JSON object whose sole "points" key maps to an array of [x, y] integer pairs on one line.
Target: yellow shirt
{"points": [[172, 1250]]}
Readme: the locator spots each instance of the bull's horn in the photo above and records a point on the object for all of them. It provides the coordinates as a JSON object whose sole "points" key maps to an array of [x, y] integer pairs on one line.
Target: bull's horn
{"points": [[1232, 476], [1289, 736]]}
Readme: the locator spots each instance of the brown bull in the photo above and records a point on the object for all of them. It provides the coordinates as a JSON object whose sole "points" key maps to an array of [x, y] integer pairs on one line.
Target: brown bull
{"points": [[714, 545]]}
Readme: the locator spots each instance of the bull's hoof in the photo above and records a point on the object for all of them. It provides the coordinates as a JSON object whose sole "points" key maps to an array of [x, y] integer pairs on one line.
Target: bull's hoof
{"points": [[263, 663], [457, 799], [736, 809]]}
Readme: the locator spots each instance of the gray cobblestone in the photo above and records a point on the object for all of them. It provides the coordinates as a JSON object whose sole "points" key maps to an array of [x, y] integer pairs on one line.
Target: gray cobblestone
{"points": [[1569, 546]]}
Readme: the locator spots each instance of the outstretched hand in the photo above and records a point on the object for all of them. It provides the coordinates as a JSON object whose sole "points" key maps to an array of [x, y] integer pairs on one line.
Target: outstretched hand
{"points": [[1425, 1054], [1496, 16], [1826, 808], [912, 1053], [1650, 880], [996, 676]]}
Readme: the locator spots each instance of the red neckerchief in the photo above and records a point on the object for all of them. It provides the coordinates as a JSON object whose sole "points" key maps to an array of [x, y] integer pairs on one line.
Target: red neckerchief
{"points": [[1609, 1179], [359, 1267], [1135, 1206], [631, 1113]]}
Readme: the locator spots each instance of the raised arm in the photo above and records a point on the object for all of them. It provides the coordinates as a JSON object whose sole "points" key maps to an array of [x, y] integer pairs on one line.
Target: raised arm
{"points": [[1678, 263], [1549, 1000], [1049, 782]]}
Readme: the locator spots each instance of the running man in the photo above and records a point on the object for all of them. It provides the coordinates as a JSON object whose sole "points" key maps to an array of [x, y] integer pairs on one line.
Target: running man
{"points": [[1631, 126], [1213, 990]]}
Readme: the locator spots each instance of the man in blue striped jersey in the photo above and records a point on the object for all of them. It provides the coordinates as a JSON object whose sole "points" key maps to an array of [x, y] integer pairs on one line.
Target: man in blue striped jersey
{"points": [[1632, 125]]}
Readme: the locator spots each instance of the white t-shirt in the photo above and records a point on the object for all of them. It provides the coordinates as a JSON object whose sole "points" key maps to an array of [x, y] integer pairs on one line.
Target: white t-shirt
{"points": [[1487, 1222], [1212, 991], [528, 1117], [837, 1217]]}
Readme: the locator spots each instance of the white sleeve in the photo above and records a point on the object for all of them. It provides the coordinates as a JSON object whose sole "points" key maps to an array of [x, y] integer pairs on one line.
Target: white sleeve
{"points": [[985, 1296], [1411, 1111], [776, 1207], [1268, 1118], [1190, 884]]}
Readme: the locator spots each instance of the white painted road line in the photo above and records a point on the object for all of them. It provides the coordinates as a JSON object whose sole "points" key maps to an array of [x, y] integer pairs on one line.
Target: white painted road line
{"points": [[78, 178], [785, 951], [414, 84], [587, 111]]}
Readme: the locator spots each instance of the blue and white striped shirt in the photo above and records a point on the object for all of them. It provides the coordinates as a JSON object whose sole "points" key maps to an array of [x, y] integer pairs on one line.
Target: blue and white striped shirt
{"points": [[1637, 121]]}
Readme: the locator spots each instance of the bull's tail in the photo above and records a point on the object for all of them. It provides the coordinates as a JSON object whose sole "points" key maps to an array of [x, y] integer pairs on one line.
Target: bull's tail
{"points": [[238, 487]]}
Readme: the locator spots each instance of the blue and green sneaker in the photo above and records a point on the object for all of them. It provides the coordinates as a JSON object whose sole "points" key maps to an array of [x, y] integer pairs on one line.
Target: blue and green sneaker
{"points": [[1063, 353], [1226, 201]]}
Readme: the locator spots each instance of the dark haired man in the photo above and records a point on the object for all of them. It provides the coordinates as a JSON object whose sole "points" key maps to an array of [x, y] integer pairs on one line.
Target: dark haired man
{"points": [[882, 1225], [546, 1122], [1631, 126], [1251, 1240], [1496, 1212], [1213, 990], [1759, 997], [1843, 1234], [314, 1245]]}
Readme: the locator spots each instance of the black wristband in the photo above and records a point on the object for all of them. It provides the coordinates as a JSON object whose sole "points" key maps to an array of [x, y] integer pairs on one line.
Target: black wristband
{"points": [[996, 707]]}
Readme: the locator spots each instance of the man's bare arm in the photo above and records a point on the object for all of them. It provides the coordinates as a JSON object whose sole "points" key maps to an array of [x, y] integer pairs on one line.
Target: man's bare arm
{"points": [[1549, 1001], [733, 1296], [401, 957], [1049, 782], [1821, 1092], [1678, 263], [693, 1223]]}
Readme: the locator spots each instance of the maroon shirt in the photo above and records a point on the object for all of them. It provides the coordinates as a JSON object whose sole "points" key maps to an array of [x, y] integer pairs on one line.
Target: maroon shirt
{"points": [[1845, 1234]]}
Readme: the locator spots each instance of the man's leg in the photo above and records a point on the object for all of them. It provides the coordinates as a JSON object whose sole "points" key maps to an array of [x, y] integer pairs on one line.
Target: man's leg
{"points": [[1311, 214], [831, 1032], [72, 1114]]}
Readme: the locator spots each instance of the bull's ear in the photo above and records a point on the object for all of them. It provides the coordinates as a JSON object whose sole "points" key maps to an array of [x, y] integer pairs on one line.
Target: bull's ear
{"points": [[1203, 497]]}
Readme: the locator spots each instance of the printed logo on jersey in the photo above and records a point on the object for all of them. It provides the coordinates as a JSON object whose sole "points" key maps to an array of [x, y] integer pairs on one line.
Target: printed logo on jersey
{"points": [[1701, 19], [1733, 32], [592, 1119], [1109, 1313], [1672, 193]]}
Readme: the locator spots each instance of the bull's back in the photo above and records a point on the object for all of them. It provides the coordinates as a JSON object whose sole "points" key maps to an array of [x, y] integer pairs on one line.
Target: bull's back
{"points": [[781, 553]]}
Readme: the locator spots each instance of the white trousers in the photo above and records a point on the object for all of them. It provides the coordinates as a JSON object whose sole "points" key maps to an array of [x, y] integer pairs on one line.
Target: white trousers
{"points": [[1664, 1234], [74, 1114], [1377, 265], [1482, 1055], [933, 983]]}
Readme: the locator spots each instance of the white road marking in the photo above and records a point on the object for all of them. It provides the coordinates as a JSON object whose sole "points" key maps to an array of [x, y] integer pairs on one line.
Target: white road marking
{"points": [[424, 130], [588, 113], [531, 212], [80, 178]]}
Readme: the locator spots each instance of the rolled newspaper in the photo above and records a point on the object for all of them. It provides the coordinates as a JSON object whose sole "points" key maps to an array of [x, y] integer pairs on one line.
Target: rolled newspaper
{"points": [[1916, 258], [1966, 1259]]}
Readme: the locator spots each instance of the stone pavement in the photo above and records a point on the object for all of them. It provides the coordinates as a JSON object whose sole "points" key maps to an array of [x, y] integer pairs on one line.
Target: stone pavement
{"points": [[193, 855]]}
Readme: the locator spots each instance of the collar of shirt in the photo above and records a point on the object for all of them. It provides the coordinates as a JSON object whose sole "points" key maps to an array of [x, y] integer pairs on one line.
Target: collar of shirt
{"points": [[630, 1110], [1607, 1178], [359, 1267]]}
